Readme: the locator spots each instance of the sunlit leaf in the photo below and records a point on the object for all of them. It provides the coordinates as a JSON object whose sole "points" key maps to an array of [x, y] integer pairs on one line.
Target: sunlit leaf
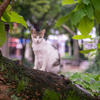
{"points": [[77, 16], [85, 25], [5, 17], [77, 37], [96, 4], [65, 2], [76, 76], [2, 33], [87, 51], [98, 45], [62, 20], [14, 17], [79, 1]]}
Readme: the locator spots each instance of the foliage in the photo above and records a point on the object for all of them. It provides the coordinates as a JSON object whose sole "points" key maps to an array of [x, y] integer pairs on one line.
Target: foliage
{"points": [[9, 16], [36, 8], [50, 95], [20, 86], [2, 33], [95, 67], [91, 82], [82, 16]]}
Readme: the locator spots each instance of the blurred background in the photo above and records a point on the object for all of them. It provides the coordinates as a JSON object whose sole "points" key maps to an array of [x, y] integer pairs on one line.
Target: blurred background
{"points": [[43, 14]]}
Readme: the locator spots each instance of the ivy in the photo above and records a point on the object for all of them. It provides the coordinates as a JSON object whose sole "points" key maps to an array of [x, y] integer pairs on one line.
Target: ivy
{"points": [[91, 82]]}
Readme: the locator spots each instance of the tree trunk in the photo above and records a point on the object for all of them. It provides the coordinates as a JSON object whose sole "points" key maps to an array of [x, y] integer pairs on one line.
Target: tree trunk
{"points": [[23, 83], [76, 53], [5, 47]]}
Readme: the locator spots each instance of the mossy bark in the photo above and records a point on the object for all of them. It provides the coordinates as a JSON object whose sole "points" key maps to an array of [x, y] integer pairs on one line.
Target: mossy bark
{"points": [[23, 83]]}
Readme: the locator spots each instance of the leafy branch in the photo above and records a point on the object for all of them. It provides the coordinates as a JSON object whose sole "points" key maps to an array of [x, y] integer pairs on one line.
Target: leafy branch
{"points": [[3, 6]]}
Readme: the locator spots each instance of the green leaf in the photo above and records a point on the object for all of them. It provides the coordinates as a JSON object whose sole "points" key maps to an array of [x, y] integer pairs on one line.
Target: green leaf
{"points": [[14, 17], [62, 20], [86, 78], [20, 86], [96, 4], [97, 15], [77, 16], [76, 76], [50, 95], [89, 10], [79, 1], [77, 37], [87, 51], [95, 86], [97, 77], [2, 33], [6, 17], [8, 8], [85, 25], [98, 45], [65, 2], [86, 2], [79, 82], [79, 6]]}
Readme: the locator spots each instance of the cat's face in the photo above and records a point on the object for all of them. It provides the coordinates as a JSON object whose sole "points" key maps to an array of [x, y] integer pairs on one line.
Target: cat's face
{"points": [[37, 36]]}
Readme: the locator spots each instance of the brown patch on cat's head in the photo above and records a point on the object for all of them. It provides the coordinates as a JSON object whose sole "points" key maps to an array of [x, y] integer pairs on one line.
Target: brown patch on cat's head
{"points": [[33, 31], [42, 32], [36, 33]]}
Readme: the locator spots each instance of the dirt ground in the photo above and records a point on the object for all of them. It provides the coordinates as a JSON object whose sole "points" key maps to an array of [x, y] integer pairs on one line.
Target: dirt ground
{"points": [[70, 68]]}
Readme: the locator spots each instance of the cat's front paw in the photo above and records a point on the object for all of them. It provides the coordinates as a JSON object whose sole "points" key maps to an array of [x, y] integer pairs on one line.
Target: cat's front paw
{"points": [[35, 67], [42, 69]]}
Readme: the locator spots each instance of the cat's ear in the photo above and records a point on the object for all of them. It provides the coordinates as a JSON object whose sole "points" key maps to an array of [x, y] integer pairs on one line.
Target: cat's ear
{"points": [[42, 32], [32, 31]]}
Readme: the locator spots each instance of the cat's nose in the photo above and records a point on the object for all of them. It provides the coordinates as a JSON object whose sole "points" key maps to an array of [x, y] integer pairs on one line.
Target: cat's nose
{"points": [[37, 41]]}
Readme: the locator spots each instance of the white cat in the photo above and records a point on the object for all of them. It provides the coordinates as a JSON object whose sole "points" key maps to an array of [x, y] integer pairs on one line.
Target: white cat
{"points": [[47, 57]]}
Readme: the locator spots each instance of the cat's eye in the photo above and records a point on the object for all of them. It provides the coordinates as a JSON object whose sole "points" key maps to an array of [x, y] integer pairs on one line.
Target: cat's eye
{"points": [[34, 36], [40, 36]]}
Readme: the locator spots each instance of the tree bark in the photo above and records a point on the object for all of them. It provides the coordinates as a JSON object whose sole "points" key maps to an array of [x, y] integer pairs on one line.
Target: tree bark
{"points": [[3, 6], [76, 53], [23, 83]]}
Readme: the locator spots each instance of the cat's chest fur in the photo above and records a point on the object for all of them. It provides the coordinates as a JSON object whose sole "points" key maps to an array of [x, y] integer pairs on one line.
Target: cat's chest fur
{"points": [[39, 49]]}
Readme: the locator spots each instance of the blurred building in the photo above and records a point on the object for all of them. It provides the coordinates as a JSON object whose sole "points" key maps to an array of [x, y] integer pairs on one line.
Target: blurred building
{"points": [[59, 42]]}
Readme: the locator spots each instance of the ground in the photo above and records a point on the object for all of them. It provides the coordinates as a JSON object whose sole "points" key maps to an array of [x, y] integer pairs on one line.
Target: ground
{"points": [[70, 68]]}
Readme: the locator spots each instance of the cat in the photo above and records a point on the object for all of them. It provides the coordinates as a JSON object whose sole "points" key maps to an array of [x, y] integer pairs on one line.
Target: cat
{"points": [[47, 57]]}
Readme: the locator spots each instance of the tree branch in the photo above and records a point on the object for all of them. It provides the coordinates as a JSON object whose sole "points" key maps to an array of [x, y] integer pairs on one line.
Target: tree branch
{"points": [[68, 29], [3, 6], [12, 6]]}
